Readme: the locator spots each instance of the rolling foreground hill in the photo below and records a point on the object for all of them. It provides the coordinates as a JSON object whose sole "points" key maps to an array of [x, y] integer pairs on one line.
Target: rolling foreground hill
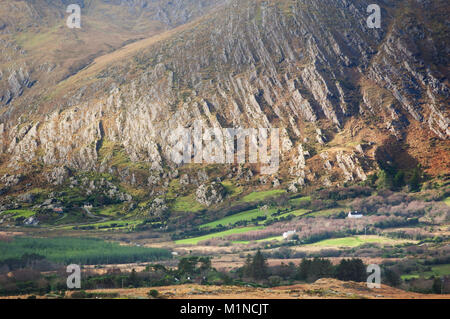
{"points": [[323, 288]]}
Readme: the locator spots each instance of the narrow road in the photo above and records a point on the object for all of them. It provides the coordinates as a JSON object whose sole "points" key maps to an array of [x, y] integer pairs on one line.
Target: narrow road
{"points": [[90, 215]]}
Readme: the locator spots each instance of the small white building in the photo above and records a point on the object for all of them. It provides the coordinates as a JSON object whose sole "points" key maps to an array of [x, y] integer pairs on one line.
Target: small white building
{"points": [[287, 234], [354, 215]]}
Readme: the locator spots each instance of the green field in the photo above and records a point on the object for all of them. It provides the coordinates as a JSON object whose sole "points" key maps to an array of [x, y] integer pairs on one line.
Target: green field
{"points": [[187, 204], [259, 196], [82, 251], [437, 271], [194, 241], [109, 211], [356, 241], [296, 201], [232, 190], [244, 216], [329, 212], [296, 213], [18, 213]]}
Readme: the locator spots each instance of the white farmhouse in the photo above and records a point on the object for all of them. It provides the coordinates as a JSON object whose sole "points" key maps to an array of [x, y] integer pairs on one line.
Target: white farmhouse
{"points": [[287, 234], [354, 215]]}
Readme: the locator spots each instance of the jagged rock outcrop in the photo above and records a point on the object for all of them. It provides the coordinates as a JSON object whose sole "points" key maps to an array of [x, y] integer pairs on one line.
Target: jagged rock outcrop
{"points": [[211, 194], [312, 68]]}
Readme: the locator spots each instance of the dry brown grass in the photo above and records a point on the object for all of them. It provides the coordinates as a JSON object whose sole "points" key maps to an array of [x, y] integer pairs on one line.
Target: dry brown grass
{"points": [[322, 289]]}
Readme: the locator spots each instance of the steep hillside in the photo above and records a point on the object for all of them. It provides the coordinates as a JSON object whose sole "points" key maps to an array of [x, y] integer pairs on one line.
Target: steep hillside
{"points": [[349, 100], [39, 50]]}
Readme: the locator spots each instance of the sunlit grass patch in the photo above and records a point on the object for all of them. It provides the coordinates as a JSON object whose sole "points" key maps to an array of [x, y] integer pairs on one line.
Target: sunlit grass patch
{"points": [[25, 213], [296, 201], [356, 241], [259, 196], [296, 213], [244, 216], [187, 204], [112, 210], [232, 189], [195, 240], [329, 212]]}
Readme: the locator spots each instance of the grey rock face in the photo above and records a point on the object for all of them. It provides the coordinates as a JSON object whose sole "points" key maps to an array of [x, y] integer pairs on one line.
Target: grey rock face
{"points": [[210, 194], [309, 70], [157, 207], [58, 175], [26, 198], [31, 221]]}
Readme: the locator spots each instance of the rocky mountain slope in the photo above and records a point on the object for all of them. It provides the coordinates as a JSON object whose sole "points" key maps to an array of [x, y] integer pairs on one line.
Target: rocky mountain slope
{"points": [[349, 100], [39, 50]]}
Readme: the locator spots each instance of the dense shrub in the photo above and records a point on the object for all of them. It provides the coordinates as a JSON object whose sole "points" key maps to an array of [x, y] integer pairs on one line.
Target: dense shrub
{"points": [[351, 270], [311, 270]]}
